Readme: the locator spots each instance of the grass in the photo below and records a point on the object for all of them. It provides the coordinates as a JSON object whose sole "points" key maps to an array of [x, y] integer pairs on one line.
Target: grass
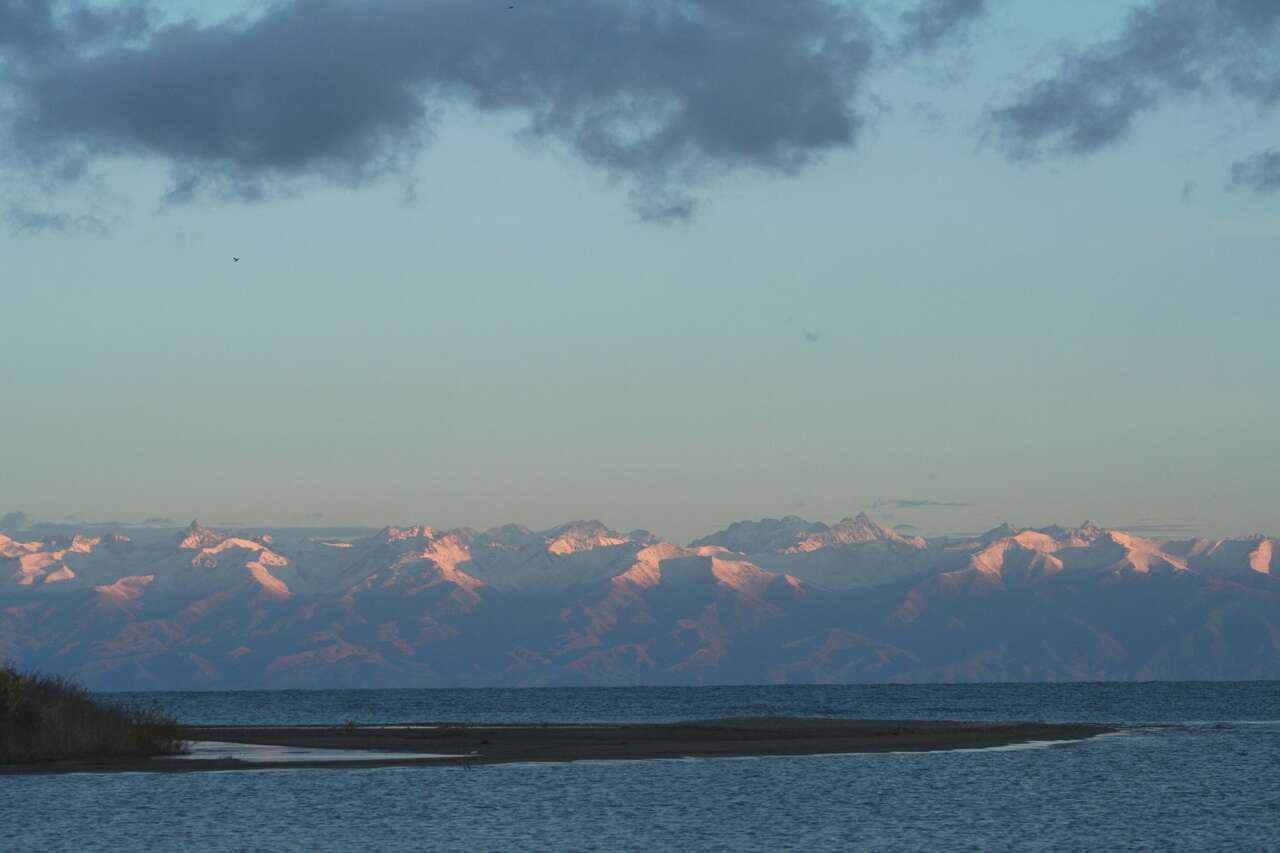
{"points": [[48, 718]]}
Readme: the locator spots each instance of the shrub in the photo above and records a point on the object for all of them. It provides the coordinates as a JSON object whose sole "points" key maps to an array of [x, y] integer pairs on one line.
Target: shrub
{"points": [[48, 718]]}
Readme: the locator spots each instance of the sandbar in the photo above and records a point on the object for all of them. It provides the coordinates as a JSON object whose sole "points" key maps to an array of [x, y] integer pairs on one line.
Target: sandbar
{"points": [[471, 744]]}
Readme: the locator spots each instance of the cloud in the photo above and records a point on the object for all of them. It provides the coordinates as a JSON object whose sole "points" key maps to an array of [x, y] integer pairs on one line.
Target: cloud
{"points": [[34, 27], [930, 116], [916, 503], [929, 23], [662, 204], [663, 95], [1166, 50], [1260, 173], [26, 220], [1157, 528]]}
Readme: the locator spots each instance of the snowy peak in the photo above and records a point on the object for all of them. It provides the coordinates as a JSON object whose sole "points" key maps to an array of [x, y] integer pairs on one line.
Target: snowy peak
{"points": [[1089, 532], [258, 562], [1260, 559], [566, 557], [1089, 548], [46, 562], [1144, 555], [861, 528], [1085, 534], [417, 570], [125, 590], [1028, 554], [795, 535], [743, 577], [646, 570], [1227, 557], [13, 548], [41, 567], [407, 534], [448, 552], [858, 530], [235, 542], [198, 536], [764, 535], [995, 534], [581, 536], [84, 544], [509, 536], [1047, 538], [568, 538]]}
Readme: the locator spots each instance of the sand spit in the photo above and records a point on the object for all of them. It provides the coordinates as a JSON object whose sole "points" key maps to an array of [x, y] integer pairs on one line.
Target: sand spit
{"points": [[454, 744]]}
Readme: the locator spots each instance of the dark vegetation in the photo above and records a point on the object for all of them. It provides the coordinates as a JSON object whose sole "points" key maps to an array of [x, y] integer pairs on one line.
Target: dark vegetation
{"points": [[46, 718]]}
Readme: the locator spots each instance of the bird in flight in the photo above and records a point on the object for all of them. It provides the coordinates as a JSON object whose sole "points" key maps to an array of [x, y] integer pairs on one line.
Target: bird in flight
{"points": [[235, 260]]}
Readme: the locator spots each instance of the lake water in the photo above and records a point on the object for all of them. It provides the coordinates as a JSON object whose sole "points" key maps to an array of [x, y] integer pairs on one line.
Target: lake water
{"points": [[1199, 770]]}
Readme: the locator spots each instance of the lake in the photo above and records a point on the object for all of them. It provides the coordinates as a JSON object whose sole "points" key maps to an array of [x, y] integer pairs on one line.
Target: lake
{"points": [[1196, 770]]}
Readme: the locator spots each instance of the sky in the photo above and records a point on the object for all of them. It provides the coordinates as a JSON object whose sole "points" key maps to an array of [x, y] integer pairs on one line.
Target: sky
{"points": [[667, 264]]}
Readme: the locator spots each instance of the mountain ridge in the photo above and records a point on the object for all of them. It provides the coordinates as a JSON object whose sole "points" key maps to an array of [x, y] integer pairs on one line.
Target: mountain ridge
{"points": [[770, 600]]}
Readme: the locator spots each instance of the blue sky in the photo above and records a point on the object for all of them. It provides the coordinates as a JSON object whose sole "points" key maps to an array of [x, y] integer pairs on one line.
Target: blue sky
{"points": [[493, 333]]}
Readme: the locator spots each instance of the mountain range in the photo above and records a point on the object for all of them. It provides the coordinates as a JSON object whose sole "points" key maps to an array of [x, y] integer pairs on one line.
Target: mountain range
{"points": [[768, 601]]}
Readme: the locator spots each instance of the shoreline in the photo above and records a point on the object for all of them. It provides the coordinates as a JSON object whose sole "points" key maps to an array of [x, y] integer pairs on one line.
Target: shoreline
{"points": [[468, 745]]}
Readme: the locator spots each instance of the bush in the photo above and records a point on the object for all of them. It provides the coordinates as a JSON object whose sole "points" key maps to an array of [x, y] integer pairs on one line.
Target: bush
{"points": [[47, 718]]}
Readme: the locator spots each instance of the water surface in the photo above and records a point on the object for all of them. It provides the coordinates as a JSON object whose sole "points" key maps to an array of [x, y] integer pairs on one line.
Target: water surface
{"points": [[1197, 772]]}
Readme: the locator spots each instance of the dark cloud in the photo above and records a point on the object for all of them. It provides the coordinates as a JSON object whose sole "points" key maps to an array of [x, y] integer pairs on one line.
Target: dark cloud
{"points": [[916, 503], [929, 23], [1260, 173], [662, 204], [26, 220], [27, 24], [663, 94], [1165, 50], [29, 28]]}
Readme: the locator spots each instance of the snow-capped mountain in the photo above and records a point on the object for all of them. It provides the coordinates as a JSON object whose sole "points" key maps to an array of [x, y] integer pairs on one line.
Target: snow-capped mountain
{"points": [[760, 601], [795, 535]]}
